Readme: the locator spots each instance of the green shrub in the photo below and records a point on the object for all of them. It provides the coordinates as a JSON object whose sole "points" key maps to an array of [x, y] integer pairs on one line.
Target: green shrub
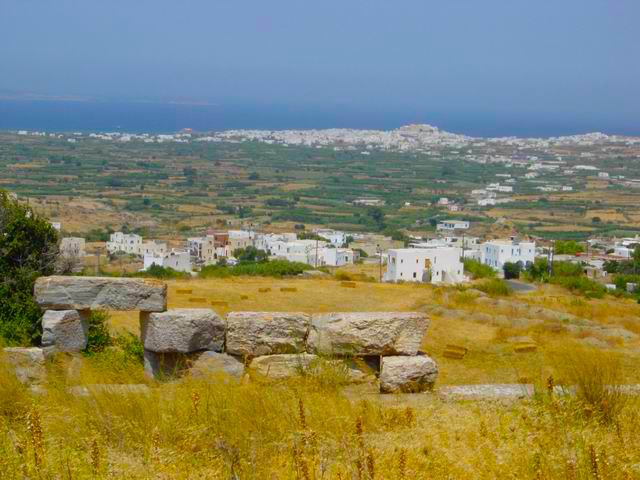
{"points": [[568, 247], [512, 270], [28, 249], [131, 346], [478, 269], [275, 268], [494, 287], [582, 285], [164, 273], [99, 337]]}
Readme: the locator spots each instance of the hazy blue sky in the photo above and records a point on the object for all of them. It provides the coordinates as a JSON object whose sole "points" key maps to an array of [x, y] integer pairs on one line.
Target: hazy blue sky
{"points": [[578, 57]]}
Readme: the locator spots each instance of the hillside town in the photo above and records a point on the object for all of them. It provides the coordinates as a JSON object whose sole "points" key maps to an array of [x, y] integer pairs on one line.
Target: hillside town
{"points": [[437, 260]]}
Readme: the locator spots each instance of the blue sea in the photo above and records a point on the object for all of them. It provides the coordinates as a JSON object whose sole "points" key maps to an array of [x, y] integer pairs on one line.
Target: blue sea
{"points": [[155, 117]]}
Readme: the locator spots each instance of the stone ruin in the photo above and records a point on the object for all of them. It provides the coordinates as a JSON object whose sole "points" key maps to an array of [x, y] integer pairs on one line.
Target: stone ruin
{"points": [[368, 346]]}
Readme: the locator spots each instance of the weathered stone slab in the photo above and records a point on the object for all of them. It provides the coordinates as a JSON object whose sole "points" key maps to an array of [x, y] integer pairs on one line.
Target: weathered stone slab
{"points": [[182, 330], [282, 366], [207, 364], [266, 333], [100, 293], [109, 389], [27, 363], [370, 333], [505, 391], [67, 330], [407, 374]]}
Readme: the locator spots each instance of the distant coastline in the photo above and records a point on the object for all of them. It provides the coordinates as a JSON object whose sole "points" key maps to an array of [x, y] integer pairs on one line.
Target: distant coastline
{"points": [[69, 114]]}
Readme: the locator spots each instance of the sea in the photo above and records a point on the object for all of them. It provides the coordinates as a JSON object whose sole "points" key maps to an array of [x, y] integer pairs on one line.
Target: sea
{"points": [[166, 117]]}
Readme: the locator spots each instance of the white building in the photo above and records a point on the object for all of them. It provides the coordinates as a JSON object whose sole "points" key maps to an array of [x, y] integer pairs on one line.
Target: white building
{"points": [[336, 257], [179, 260], [452, 225], [125, 243], [153, 248], [335, 237], [304, 251], [240, 239], [430, 265], [72, 247], [496, 253]]}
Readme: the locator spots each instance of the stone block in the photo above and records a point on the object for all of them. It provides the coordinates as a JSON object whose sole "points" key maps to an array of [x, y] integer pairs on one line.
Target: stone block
{"points": [[207, 364], [100, 293], [367, 333], [182, 330], [67, 330], [266, 333], [27, 363], [407, 374], [278, 367]]}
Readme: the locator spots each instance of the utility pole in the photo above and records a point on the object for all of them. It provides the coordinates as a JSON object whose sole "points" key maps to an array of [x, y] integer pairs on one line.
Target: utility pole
{"points": [[380, 255]]}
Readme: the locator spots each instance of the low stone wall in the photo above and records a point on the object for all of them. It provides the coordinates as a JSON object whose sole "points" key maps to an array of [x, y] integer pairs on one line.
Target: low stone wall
{"points": [[198, 342]]}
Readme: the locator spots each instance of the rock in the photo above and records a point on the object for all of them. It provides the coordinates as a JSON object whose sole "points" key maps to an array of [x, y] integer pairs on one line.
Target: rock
{"points": [[100, 293], [266, 333], [27, 363], [67, 330], [522, 340], [407, 374], [109, 389], [512, 391], [206, 364], [371, 333], [282, 366], [182, 330], [594, 342], [164, 366]]}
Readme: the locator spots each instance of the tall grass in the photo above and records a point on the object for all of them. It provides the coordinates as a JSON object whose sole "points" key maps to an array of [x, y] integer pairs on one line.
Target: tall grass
{"points": [[302, 428], [596, 375]]}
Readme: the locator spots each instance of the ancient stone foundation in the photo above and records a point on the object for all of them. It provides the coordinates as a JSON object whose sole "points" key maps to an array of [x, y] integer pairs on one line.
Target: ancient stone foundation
{"points": [[363, 346]]}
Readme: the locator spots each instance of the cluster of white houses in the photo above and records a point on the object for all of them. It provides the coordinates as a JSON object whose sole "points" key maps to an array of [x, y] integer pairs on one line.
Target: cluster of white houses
{"points": [[440, 260], [213, 247]]}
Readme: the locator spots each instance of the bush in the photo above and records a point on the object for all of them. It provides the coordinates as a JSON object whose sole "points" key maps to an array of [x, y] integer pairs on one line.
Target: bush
{"points": [[28, 249], [597, 375], [582, 285], [275, 268], [164, 273], [568, 247], [512, 270], [99, 337], [494, 287], [478, 269]]}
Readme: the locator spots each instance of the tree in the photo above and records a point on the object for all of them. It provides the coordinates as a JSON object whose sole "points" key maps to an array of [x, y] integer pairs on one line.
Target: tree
{"points": [[28, 249], [377, 215], [512, 270], [250, 255]]}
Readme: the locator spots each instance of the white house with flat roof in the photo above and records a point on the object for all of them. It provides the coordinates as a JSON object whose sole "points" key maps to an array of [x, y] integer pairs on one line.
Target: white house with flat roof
{"points": [[435, 264], [336, 257], [179, 260], [496, 253], [452, 225], [336, 237], [125, 243]]}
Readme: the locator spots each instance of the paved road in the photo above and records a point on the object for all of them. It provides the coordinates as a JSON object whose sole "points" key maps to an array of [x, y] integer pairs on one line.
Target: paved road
{"points": [[520, 287]]}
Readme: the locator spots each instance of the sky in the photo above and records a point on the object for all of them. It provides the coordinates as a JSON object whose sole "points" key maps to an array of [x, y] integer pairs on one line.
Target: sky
{"points": [[569, 58]]}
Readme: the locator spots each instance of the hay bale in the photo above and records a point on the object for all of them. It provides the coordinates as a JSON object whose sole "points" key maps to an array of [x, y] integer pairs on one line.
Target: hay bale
{"points": [[288, 289], [184, 291], [219, 303], [455, 352], [525, 348], [244, 297], [197, 300], [264, 290], [348, 284]]}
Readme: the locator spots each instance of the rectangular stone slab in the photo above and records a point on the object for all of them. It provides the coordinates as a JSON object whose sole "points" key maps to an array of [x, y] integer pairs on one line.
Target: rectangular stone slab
{"points": [[367, 333], [100, 293]]}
